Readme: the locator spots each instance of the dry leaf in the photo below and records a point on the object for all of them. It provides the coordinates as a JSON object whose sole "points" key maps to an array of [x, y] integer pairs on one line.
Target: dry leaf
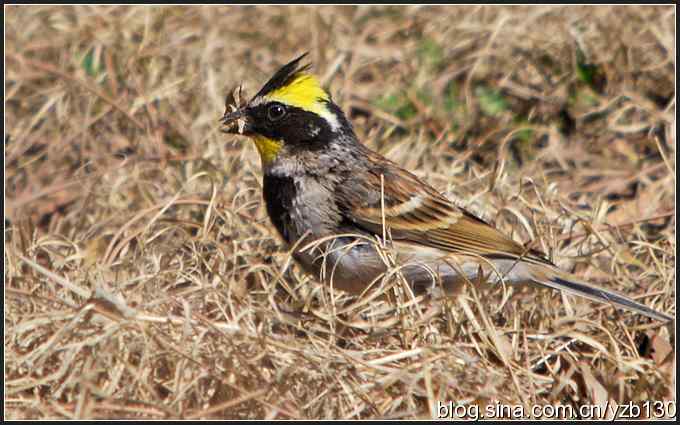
{"points": [[595, 390]]}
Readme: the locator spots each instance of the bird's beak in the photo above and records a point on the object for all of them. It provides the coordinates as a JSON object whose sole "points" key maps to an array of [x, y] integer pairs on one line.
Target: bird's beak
{"points": [[235, 122]]}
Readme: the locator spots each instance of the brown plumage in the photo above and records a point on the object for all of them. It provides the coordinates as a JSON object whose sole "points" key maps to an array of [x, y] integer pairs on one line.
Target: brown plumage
{"points": [[417, 213]]}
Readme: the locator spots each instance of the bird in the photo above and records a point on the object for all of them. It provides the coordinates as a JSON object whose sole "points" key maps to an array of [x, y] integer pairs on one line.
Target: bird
{"points": [[339, 206]]}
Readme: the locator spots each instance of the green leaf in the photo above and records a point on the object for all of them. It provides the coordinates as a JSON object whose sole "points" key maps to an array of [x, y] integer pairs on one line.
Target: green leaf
{"points": [[88, 64], [397, 104], [431, 53], [586, 71], [491, 101], [524, 135]]}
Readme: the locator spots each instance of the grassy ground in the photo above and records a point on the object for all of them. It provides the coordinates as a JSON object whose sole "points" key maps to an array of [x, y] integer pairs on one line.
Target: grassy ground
{"points": [[144, 280]]}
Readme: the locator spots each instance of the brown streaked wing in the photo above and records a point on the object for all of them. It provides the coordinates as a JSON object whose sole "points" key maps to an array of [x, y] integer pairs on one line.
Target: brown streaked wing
{"points": [[416, 213]]}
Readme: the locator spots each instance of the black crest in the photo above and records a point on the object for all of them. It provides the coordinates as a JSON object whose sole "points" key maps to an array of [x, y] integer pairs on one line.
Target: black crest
{"points": [[284, 76]]}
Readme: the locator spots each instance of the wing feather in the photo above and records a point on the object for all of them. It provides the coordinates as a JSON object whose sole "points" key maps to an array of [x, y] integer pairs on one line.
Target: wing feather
{"points": [[416, 213]]}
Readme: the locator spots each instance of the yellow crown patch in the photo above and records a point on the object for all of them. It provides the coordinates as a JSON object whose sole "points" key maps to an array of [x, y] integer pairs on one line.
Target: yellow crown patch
{"points": [[305, 92]]}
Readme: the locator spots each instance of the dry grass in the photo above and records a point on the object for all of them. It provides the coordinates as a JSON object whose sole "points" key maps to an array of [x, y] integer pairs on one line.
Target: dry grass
{"points": [[143, 279]]}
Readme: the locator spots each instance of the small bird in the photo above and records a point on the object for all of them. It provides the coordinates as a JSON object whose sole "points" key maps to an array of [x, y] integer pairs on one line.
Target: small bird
{"points": [[341, 206]]}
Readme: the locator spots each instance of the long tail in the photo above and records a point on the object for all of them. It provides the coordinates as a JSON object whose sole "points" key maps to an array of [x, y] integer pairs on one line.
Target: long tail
{"points": [[551, 279]]}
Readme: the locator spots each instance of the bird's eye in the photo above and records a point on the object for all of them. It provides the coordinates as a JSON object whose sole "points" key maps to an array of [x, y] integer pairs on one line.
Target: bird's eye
{"points": [[276, 111]]}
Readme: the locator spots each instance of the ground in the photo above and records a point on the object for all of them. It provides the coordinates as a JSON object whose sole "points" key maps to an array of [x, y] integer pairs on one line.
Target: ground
{"points": [[144, 280]]}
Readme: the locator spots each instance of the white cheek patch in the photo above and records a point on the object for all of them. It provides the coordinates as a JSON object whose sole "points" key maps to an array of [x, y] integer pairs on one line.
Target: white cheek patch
{"points": [[331, 119]]}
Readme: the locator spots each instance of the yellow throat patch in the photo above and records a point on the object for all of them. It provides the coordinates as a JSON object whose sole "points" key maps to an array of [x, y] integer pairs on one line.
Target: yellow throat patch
{"points": [[267, 148], [305, 92]]}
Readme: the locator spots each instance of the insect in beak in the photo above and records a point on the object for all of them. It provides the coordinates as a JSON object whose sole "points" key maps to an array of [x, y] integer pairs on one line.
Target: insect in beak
{"points": [[234, 113]]}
